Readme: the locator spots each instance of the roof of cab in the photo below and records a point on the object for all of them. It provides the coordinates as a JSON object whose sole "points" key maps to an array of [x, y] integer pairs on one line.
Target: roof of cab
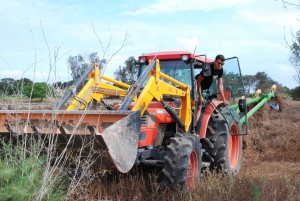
{"points": [[173, 55]]}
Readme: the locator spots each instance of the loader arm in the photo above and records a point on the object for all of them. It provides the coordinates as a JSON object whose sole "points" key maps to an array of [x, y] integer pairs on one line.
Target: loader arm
{"points": [[111, 136], [155, 88], [95, 89]]}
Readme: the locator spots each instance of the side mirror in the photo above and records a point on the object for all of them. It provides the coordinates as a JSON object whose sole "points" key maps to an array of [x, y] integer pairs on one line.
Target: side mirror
{"points": [[242, 105]]}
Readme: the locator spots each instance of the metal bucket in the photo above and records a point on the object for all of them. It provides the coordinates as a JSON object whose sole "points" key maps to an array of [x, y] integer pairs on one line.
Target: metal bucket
{"points": [[115, 134]]}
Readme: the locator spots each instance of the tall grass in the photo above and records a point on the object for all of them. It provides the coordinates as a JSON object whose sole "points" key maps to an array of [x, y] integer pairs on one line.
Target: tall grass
{"points": [[21, 174], [29, 170], [143, 186]]}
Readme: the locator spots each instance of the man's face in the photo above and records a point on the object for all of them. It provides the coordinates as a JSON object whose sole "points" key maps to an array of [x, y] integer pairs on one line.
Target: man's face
{"points": [[218, 64]]}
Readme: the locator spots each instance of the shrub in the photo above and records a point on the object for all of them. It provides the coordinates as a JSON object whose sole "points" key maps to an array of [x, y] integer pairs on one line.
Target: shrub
{"points": [[21, 175]]}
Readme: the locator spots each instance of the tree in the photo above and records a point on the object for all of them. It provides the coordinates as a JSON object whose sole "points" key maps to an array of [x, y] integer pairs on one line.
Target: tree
{"points": [[295, 46], [78, 64], [296, 93], [7, 86], [127, 73], [36, 90], [20, 84], [263, 81], [295, 55], [290, 3], [232, 82], [249, 83]]}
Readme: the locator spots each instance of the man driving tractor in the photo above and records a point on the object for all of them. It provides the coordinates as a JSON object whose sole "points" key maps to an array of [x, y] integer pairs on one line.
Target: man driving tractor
{"points": [[205, 79]]}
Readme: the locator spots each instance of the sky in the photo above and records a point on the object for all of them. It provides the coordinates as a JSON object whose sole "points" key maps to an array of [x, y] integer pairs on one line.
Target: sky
{"points": [[37, 37]]}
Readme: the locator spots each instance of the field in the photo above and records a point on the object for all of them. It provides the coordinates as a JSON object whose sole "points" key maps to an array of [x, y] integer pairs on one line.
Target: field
{"points": [[270, 167]]}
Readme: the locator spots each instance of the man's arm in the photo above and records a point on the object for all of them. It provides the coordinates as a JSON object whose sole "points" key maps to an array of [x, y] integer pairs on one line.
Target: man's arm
{"points": [[221, 90], [199, 90]]}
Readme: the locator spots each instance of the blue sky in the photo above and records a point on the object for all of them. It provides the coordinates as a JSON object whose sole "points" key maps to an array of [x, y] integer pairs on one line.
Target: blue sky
{"points": [[33, 32]]}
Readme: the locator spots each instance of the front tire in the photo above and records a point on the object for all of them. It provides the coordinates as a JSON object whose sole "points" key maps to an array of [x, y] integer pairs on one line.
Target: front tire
{"points": [[222, 150], [182, 162]]}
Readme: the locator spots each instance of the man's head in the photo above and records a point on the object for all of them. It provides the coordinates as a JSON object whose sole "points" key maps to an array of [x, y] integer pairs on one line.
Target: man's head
{"points": [[219, 61]]}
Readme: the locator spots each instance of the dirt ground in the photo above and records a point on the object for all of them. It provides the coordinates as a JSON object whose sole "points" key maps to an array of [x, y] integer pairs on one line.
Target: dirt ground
{"points": [[272, 146]]}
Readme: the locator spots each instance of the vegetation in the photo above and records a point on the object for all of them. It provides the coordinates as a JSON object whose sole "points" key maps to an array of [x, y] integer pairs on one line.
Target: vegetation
{"points": [[36, 90], [269, 172], [262, 81], [9, 86], [270, 168], [295, 55], [295, 93], [21, 175], [78, 64], [127, 73]]}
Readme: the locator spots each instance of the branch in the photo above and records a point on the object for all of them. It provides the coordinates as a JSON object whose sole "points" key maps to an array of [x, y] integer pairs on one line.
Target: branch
{"points": [[110, 39], [49, 53], [101, 44], [286, 4], [123, 45]]}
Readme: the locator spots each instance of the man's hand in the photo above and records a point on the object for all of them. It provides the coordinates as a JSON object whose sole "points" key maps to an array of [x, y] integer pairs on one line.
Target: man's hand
{"points": [[226, 102], [200, 100]]}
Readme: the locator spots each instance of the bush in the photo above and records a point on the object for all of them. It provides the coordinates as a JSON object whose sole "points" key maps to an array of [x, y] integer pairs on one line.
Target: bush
{"points": [[21, 175], [296, 93], [37, 90]]}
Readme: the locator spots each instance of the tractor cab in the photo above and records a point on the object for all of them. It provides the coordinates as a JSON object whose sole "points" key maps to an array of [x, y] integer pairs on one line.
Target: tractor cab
{"points": [[185, 66], [180, 65]]}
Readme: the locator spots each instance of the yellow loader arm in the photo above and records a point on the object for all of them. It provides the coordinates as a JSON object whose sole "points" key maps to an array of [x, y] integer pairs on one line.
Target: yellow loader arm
{"points": [[155, 88], [95, 89]]}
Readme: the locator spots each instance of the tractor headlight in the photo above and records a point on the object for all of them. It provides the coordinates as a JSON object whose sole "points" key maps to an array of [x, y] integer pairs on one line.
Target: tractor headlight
{"points": [[184, 57], [142, 59]]}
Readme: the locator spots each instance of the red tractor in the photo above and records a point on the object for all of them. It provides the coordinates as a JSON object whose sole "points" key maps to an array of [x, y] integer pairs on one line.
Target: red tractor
{"points": [[155, 123]]}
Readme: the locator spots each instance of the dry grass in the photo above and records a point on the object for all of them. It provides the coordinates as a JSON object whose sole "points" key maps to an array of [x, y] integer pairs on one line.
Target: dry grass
{"points": [[270, 168]]}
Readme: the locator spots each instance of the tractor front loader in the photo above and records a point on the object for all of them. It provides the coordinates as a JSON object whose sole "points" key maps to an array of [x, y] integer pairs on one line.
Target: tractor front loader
{"points": [[114, 134], [155, 123]]}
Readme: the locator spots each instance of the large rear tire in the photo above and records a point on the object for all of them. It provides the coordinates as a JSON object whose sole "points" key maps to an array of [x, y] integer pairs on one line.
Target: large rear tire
{"points": [[182, 162], [222, 150]]}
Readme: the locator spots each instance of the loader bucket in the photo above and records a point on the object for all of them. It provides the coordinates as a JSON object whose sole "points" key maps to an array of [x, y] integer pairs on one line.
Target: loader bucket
{"points": [[115, 134]]}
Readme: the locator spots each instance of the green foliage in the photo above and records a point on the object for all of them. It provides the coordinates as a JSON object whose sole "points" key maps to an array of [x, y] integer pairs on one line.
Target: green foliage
{"points": [[9, 86], [255, 192], [249, 83], [286, 96], [127, 73], [296, 93], [261, 81], [232, 82], [6, 86], [37, 90], [21, 175]]}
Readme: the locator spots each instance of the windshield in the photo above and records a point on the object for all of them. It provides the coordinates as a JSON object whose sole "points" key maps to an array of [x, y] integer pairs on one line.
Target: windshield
{"points": [[177, 69], [232, 80]]}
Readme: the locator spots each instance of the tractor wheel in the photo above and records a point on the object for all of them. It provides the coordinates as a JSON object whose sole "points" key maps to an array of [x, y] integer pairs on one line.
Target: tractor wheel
{"points": [[222, 150], [182, 162]]}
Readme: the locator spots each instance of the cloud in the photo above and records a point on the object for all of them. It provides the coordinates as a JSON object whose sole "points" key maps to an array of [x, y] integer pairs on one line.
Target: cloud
{"points": [[188, 43], [170, 6], [280, 18]]}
